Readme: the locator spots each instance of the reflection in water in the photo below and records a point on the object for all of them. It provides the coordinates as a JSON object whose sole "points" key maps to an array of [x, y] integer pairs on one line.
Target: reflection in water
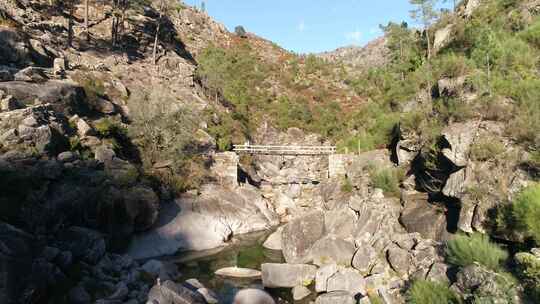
{"points": [[247, 252]]}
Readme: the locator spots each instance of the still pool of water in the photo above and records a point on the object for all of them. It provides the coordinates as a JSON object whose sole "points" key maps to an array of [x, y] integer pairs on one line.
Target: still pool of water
{"points": [[245, 251]]}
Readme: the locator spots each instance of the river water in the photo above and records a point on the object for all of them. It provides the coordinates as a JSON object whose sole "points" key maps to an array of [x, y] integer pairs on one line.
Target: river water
{"points": [[245, 251]]}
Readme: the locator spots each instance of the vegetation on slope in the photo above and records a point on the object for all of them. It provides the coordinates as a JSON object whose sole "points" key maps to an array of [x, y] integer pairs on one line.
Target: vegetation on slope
{"points": [[466, 250], [289, 92], [427, 292]]}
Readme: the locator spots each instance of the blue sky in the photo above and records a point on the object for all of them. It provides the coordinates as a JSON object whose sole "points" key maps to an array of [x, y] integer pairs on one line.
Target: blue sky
{"points": [[307, 26]]}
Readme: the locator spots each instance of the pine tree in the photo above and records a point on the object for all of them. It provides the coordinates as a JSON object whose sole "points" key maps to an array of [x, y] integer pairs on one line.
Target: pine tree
{"points": [[426, 14]]}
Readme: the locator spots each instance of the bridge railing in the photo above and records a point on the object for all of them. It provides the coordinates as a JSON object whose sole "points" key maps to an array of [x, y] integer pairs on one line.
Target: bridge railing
{"points": [[285, 150]]}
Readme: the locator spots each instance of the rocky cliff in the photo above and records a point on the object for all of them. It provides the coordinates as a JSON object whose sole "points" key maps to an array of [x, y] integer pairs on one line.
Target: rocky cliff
{"points": [[115, 147]]}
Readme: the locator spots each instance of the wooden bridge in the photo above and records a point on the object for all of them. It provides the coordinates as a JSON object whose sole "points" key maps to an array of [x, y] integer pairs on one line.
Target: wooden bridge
{"points": [[285, 150]]}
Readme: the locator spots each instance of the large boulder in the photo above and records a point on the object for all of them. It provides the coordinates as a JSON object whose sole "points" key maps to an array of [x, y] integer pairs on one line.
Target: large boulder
{"points": [[335, 297], [400, 259], [376, 215], [300, 292], [203, 222], [443, 37], [332, 250], [299, 235], [253, 296], [31, 74], [457, 183], [16, 49], [471, 6], [142, 205], [420, 216], [273, 242], [478, 283], [171, 293], [364, 259], [162, 270], [459, 137], [341, 222], [287, 275], [323, 274], [9, 104], [15, 262], [34, 129], [347, 279], [64, 96], [85, 244]]}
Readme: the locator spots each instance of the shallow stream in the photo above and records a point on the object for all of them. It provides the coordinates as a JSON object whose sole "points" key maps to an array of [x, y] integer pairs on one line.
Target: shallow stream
{"points": [[245, 251]]}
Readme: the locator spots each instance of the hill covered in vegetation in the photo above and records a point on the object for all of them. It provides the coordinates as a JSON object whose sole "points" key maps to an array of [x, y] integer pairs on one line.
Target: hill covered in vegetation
{"points": [[117, 123]]}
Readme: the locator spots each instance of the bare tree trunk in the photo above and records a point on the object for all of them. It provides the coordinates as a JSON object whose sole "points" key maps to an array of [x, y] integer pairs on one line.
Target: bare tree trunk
{"points": [[401, 58], [428, 44], [154, 55], [114, 26], [488, 73], [86, 27], [70, 27]]}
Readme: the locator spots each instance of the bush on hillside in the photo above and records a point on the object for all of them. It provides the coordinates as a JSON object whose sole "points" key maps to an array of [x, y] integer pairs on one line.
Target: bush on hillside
{"points": [[529, 271], [375, 124], [387, 179], [428, 292], [466, 250], [346, 186], [240, 31], [487, 149], [451, 110], [451, 65], [526, 211], [532, 33]]}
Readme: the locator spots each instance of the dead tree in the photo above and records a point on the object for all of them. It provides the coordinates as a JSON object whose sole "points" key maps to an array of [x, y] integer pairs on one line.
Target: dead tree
{"points": [[158, 28]]}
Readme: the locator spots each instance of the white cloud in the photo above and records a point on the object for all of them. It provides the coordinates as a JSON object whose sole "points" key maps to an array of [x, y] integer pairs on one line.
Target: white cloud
{"points": [[301, 26], [355, 36]]}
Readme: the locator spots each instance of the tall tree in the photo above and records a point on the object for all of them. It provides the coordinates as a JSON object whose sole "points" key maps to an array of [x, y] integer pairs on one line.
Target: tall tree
{"points": [[425, 13], [86, 27], [119, 8], [158, 28], [164, 8], [405, 52]]}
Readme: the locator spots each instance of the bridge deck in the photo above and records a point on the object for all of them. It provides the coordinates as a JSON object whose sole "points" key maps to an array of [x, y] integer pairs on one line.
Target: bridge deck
{"points": [[285, 150]]}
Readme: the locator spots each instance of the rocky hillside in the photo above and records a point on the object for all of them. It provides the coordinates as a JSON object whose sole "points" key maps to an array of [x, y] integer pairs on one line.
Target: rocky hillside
{"points": [[373, 54], [115, 142]]}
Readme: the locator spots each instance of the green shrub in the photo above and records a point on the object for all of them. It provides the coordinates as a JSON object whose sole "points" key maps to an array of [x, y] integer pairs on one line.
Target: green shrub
{"points": [[428, 292], [486, 149], [466, 250], [376, 125], [451, 65], [532, 33], [529, 271], [314, 64], [346, 186], [453, 110], [107, 127], [374, 298], [387, 179], [534, 159], [526, 211], [94, 88]]}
